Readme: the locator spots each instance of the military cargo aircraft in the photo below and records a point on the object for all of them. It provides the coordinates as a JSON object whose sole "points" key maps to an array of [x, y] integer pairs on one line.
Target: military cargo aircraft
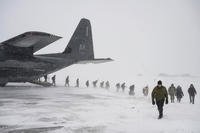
{"points": [[18, 63]]}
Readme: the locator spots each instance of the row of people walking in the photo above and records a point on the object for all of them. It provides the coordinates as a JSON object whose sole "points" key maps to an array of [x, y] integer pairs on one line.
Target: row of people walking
{"points": [[173, 91], [104, 84], [160, 95]]}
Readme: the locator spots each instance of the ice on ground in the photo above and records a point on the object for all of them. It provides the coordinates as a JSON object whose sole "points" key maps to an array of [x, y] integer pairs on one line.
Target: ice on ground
{"points": [[34, 109]]}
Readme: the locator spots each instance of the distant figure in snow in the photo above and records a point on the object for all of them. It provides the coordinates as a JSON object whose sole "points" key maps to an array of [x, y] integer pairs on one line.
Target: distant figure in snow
{"points": [[192, 92], [77, 82], [102, 84], [95, 83], [45, 78], [39, 80], [123, 86], [179, 93], [87, 83], [145, 90], [172, 92], [131, 88], [107, 85], [117, 87], [159, 96], [54, 80], [67, 81]]}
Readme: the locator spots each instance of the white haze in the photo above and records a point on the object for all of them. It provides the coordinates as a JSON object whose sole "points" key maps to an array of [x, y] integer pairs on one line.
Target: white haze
{"points": [[144, 37]]}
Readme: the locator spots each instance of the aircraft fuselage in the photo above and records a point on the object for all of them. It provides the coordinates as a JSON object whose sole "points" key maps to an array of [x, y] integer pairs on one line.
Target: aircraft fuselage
{"points": [[16, 69]]}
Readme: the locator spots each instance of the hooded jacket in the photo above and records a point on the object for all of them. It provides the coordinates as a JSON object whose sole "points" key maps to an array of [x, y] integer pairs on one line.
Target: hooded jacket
{"points": [[159, 93]]}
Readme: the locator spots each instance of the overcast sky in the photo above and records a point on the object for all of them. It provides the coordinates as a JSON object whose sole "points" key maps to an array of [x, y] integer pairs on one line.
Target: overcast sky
{"points": [[142, 36]]}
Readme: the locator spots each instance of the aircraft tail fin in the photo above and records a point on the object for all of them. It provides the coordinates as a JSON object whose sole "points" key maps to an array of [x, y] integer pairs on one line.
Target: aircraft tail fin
{"points": [[80, 45]]}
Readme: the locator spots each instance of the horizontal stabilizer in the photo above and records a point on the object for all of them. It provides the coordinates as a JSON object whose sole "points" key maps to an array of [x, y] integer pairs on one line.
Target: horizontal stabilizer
{"points": [[33, 39], [95, 61]]}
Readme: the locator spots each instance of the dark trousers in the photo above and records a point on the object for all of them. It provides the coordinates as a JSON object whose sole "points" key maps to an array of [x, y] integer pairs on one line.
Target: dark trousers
{"points": [[179, 99], [192, 99], [172, 98], [160, 105], [67, 84]]}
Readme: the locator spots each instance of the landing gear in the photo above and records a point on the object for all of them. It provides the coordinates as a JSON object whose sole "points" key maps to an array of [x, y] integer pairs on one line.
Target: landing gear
{"points": [[2, 84]]}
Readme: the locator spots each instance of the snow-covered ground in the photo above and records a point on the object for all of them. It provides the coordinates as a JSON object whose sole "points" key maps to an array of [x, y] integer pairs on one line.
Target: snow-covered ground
{"points": [[34, 109]]}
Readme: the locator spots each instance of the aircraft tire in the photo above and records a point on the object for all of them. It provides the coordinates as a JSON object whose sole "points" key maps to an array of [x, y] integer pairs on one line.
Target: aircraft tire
{"points": [[2, 84]]}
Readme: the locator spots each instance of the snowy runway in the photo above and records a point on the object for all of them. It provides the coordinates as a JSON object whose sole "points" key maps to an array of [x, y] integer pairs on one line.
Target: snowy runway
{"points": [[35, 109]]}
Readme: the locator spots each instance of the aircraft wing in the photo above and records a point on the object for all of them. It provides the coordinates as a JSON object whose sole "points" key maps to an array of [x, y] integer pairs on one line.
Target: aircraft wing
{"points": [[34, 40], [95, 61]]}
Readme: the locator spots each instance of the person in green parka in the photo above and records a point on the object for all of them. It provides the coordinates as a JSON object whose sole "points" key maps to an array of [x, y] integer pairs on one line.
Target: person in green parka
{"points": [[159, 96]]}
